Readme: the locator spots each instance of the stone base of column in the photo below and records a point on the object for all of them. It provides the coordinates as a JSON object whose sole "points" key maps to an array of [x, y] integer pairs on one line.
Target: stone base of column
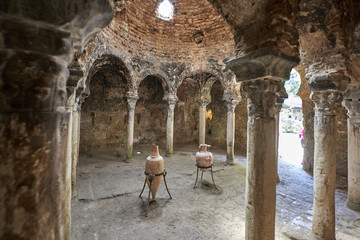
{"points": [[353, 206], [230, 162], [313, 236], [169, 154]]}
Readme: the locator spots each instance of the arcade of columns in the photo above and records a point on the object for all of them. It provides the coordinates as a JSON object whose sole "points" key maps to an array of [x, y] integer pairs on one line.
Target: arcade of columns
{"points": [[40, 130]]}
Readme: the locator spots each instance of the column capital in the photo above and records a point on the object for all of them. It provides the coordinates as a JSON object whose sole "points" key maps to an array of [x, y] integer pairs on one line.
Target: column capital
{"points": [[171, 99], [278, 107], [131, 100], [261, 96], [171, 104], [231, 104], [326, 102], [352, 104], [203, 103]]}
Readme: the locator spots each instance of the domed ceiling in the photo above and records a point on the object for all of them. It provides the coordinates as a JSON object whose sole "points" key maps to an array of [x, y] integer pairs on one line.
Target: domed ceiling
{"points": [[195, 33]]}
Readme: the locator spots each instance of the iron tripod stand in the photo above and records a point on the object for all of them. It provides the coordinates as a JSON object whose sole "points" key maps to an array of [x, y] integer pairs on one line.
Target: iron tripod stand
{"points": [[151, 178]]}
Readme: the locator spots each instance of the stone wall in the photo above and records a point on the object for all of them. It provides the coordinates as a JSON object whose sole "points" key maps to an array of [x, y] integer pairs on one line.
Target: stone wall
{"points": [[241, 118], [186, 126], [104, 113], [216, 122], [150, 113]]}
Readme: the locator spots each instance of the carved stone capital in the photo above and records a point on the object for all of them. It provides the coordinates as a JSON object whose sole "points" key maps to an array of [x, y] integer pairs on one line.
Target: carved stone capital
{"points": [[203, 103], [171, 104], [231, 105], [352, 103], [261, 95], [326, 102], [172, 99], [278, 107], [131, 100]]}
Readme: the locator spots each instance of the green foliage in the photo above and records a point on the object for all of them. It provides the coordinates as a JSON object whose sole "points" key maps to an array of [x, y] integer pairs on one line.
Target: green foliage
{"points": [[293, 84], [290, 126]]}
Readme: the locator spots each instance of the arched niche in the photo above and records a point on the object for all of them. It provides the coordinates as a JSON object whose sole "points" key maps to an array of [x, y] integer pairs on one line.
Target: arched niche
{"points": [[216, 118], [186, 129], [151, 111], [104, 111]]}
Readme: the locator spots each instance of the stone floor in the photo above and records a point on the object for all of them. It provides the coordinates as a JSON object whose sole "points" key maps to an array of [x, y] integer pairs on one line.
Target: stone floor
{"points": [[107, 206]]}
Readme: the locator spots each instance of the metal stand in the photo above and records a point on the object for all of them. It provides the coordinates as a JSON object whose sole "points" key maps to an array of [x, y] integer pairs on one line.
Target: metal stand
{"points": [[151, 178], [197, 174]]}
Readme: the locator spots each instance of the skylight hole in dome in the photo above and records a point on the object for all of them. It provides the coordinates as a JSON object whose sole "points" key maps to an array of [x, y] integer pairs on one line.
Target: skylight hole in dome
{"points": [[166, 10]]}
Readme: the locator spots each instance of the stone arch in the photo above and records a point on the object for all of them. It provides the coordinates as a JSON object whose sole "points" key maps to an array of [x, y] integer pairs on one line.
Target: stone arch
{"points": [[104, 113], [204, 82], [108, 61], [156, 75]]}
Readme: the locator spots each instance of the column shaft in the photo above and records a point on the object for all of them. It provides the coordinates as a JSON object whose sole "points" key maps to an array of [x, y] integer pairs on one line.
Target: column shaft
{"points": [[353, 107], [326, 102], [277, 126], [130, 127], [170, 128], [260, 192], [353, 201], [202, 123], [75, 146], [230, 133], [67, 208]]}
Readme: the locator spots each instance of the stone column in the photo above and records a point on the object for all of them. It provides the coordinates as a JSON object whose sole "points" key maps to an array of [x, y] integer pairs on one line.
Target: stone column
{"points": [[130, 127], [326, 102], [352, 104], [170, 126], [230, 131], [33, 118], [260, 192], [278, 106], [261, 80], [75, 143], [202, 121], [67, 208]]}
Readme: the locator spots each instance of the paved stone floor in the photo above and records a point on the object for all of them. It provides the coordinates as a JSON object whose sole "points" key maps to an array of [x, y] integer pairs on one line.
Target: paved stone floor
{"points": [[107, 206]]}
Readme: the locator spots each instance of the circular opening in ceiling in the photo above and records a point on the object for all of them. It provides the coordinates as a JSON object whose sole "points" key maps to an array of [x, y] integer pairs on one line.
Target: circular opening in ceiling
{"points": [[166, 10]]}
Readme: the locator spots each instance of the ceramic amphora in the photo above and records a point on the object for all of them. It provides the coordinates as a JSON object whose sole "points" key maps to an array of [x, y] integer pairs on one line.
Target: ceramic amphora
{"points": [[154, 165], [203, 157]]}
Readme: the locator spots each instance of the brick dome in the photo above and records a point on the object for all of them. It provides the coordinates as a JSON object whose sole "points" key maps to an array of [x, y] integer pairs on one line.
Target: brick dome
{"points": [[195, 33]]}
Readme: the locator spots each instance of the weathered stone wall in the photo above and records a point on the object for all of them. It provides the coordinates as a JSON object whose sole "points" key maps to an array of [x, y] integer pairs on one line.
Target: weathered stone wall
{"points": [[104, 113], [341, 142], [216, 126], [150, 113], [186, 126], [241, 117]]}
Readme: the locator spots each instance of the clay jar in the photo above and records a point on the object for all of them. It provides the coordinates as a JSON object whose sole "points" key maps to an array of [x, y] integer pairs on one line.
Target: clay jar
{"points": [[154, 165], [203, 157]]}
